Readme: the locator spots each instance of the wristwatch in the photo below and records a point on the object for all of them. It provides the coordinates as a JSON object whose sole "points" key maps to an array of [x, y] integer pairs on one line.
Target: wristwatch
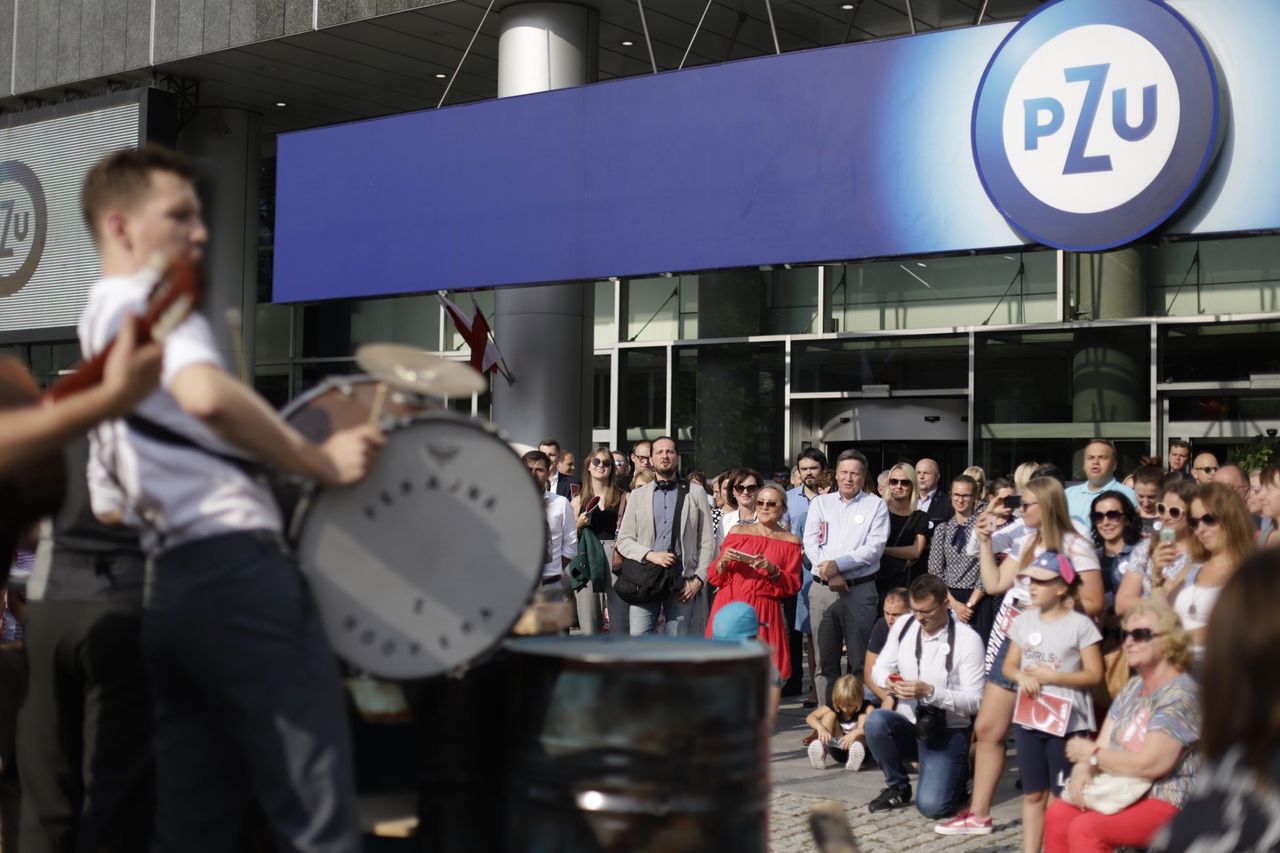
{"points": [[1093, 759]]}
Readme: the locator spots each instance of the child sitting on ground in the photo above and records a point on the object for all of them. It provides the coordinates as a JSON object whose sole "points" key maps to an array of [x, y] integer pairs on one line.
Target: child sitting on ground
{"points": [[840, 730]]}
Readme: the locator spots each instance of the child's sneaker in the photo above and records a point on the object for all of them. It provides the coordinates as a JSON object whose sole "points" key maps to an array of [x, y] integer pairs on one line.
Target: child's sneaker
{"points": [[965, 823], [857, 753], [818, 755]]}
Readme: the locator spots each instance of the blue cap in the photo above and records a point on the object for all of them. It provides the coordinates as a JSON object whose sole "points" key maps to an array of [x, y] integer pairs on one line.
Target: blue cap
{"points": [[1049, 565], [737, 620]]}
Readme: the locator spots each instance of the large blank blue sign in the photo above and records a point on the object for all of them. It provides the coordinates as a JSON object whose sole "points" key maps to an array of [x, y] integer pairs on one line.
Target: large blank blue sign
{"points": [[843, 153]]}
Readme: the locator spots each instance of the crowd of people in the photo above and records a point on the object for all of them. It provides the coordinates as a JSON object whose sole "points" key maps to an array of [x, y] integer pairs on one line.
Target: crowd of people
{"points": [[942, 617]]}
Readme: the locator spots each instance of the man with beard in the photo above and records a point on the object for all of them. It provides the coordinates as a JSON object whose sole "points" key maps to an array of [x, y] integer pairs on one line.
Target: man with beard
{"points": [[811, 463], [650, 522]]}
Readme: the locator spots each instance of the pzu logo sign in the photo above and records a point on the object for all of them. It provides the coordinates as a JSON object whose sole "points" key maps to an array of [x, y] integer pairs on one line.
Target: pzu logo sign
{"points": [[1095, 120], [24, 223]]}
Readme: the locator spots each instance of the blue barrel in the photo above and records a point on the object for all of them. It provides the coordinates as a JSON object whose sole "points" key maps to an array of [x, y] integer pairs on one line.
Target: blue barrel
{"points": [[654, 745]]}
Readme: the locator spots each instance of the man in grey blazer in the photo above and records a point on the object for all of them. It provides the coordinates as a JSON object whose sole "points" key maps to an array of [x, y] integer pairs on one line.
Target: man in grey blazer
{"points": [[648, 520]]}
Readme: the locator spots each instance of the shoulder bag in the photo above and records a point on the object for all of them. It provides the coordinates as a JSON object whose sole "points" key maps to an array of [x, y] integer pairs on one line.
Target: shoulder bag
{"points": [[642, 582]]}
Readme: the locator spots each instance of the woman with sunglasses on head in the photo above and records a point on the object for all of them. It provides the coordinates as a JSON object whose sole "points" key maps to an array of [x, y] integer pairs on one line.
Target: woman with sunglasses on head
{"points": [[740, 492], [1150, 734], [1165, 555], [601, 481], [759, 563], [908, 530], [949, 559], [1222, 539], [1049, 528]]}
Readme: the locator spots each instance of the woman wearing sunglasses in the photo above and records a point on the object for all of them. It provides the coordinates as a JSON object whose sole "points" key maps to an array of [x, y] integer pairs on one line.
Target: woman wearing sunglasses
{"points": [[740, 493], [1150, 734], [602, 482], [1222, 539], [1117, 529], [1165, 555], [759, 563], [908, 530]]}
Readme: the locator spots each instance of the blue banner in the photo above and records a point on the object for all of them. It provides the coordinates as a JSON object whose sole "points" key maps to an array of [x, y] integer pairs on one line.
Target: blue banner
{"points": [[842, 153]]}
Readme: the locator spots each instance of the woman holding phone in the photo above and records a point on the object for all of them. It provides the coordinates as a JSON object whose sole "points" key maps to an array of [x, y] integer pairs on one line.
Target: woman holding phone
{"points": [[759, 563], [598, 507], [1165, 555]]}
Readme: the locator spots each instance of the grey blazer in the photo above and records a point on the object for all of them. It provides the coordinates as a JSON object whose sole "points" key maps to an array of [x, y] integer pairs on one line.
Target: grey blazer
{"points": [[697, 534]]}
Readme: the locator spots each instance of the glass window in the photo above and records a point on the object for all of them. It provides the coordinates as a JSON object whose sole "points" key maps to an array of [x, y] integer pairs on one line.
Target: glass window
{"points": [[601, 389], [661, 309], [727, 406], [1041, 395], [336, 329], [642, 397], [606, 331], [1218, 352], [273, 384], [927, 293], [903, 363], [1225, 277], [271, 339]]}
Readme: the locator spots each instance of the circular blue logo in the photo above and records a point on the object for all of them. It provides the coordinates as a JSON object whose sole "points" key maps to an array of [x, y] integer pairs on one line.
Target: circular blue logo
{"points": [[1095, 120]]}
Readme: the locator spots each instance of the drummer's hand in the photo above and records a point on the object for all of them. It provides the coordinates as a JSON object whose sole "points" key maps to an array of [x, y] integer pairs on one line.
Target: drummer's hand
{"points": [[350, 453]]}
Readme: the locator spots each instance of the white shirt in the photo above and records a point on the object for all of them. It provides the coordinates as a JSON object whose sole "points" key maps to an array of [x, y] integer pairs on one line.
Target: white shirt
{"points": [[1006, 539], [562, 534], [172, 494], [958, 691], [553, 480], [856, 533], [926, 501]]}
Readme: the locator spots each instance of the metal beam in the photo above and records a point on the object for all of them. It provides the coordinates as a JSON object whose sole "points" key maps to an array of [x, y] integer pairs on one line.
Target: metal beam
{"points": [[768, 7], [911, 19], [692, 38], [648, 43], [465, 54]]}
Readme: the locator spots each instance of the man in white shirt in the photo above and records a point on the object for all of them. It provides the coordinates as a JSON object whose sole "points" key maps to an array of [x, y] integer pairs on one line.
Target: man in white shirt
{"points": [[562, 532], [1099, 471], [844, 537], [247, 699], [933, 665]]}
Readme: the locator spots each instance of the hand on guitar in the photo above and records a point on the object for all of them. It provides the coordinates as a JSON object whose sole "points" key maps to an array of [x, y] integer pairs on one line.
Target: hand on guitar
{"points": [[350, 453], [132, 372]]}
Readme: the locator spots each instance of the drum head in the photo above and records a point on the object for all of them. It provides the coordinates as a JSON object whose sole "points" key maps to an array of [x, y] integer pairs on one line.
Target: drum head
{"points": [[427, 563]]}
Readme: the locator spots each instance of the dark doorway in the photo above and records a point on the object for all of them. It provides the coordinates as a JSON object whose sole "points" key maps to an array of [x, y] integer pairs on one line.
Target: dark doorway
{"points": [[952, 456]]}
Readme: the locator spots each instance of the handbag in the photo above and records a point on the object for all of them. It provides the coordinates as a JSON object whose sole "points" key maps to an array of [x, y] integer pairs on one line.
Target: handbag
{"points": [[617, 555], [1108, 794], [640, 582]]}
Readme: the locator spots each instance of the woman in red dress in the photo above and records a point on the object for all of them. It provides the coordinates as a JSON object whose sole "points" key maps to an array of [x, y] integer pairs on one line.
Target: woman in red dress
{"points": [[760, 563]]}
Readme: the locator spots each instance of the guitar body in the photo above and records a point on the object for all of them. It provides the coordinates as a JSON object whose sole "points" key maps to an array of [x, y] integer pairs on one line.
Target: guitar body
{"points": [[38, 488]]}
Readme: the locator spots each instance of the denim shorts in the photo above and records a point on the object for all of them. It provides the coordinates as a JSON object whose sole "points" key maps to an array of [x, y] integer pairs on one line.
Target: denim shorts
{"points": [[996, 675]]}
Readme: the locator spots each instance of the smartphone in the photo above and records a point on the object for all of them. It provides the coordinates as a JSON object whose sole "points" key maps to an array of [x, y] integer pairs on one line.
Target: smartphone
{"points": [[893, 676], [1167, 534], [1013, 502], [743, 556], [592, 504]]}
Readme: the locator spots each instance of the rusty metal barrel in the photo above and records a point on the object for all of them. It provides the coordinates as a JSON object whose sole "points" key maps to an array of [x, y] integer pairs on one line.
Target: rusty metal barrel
{"points": [[654, 745]]}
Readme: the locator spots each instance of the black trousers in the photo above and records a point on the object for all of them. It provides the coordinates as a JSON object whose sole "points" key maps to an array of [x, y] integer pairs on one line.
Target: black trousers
{"points": [[795, 648], [84, 750], [13, 680], [249, 708]]}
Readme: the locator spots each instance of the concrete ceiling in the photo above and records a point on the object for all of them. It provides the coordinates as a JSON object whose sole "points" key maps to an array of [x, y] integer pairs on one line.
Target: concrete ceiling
{"points": [[402, 61]]}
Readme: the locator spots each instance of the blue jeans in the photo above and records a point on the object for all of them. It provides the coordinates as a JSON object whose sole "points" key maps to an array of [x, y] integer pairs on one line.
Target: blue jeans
{"points": [[944, 763], [644, 617]]}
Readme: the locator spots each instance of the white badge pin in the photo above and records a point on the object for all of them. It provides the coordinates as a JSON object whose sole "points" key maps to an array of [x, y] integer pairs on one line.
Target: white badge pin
{"points": [[857, 519], [946, 649], [1034, 639]]}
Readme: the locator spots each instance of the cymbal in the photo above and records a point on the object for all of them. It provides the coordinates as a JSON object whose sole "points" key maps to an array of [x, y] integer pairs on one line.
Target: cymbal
{"points": [[409, 369]]}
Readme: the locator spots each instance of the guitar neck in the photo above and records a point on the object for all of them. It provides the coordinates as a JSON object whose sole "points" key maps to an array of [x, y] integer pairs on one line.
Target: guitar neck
{"points": [[89, 373]]}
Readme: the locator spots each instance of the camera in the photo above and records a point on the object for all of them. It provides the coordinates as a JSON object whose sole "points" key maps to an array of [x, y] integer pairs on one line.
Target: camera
{"points": [[931, 722]]}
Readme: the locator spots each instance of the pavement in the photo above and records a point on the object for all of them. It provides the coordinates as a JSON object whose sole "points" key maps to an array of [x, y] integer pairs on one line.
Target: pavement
{"points": [[797, 787]]}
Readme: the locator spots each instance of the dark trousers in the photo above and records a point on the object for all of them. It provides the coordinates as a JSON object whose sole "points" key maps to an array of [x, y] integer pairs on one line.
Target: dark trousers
{"points": [[84, 730], [249, 707], [840, 620], [13, 681], [795, 647]]}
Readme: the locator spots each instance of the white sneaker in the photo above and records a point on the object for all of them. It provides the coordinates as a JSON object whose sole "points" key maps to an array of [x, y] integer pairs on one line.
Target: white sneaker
{"points": [[818, 755], [857, 754]]}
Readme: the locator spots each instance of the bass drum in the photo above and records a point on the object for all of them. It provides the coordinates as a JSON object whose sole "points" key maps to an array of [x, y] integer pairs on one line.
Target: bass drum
{"points": [[426, 564]]}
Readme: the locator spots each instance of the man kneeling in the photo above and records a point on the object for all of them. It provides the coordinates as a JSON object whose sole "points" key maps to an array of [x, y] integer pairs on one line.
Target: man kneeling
{"points": [[933, 664]]}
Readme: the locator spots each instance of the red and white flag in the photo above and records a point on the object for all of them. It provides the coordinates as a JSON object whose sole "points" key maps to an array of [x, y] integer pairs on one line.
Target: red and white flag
{"points": [[485, 356]]}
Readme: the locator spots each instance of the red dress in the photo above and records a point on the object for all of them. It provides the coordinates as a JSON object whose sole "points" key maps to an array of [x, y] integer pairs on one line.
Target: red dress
{"points": [[740, 582]]}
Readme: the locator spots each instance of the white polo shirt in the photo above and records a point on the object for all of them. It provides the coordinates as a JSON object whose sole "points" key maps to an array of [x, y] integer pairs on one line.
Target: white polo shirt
{"points": [[172, 494]]}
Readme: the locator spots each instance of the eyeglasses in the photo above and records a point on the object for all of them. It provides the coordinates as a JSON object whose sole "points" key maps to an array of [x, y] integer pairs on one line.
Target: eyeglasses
{"points": [[1174, 512], [768, 504], [896, 482], [1206, 520], [962, 495], [640, 458], [1109, 515], [1139, 635], [1208, 469], [746, 490], [602, 463]]}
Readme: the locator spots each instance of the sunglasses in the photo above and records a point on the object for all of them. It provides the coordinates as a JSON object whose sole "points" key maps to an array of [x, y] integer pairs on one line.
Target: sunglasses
{"points": [[1206, 520], [1174, 512], [896, 482], [602, 463], [1109, 515], [745, 490], [963, 495], [767, 504], [1139, 635]]}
